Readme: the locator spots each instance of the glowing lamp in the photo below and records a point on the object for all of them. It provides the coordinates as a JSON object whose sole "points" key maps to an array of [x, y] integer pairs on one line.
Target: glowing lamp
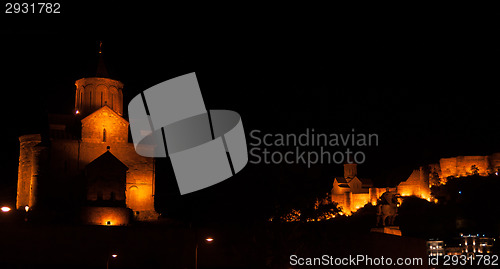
{"points": [[26, 208], [209, 239], [77, 112], [5, 209], [114, 255]]}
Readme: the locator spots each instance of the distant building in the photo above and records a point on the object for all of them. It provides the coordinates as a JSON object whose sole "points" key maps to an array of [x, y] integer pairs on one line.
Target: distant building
{"points": [[462, 166], [84, 164], [351, 192], [435, 248], [476, 244]]}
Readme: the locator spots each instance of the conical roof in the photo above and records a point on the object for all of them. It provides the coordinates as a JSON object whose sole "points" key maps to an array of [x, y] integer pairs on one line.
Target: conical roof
{"points": [[102, 71]]}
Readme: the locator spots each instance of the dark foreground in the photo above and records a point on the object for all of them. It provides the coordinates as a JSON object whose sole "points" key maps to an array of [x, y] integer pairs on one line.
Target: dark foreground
{"points": [[163, 245]]}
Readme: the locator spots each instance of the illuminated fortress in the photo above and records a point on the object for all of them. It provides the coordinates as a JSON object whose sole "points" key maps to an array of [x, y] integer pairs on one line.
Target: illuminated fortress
{"points": [[352, 193], [84, 163]]}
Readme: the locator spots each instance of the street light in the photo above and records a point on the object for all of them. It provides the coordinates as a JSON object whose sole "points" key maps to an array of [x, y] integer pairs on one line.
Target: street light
{"points": [[110, 256], [5, 209], [209, 240]]}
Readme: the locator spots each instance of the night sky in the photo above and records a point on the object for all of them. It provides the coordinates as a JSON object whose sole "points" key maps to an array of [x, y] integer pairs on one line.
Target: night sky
{"points": [[426, 94]]}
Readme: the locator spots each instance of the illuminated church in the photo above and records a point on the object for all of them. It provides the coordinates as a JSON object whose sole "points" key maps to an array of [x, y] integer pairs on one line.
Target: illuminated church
{"points": [[83, 165]]}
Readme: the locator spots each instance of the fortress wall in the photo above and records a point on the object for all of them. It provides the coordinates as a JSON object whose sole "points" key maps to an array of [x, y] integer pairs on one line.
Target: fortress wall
{"points": [[359, 200], [375, 193], [419, 190], [417, 184], [351, 202], [407, 190], [460, 166], [464, 164], [448, 167]]}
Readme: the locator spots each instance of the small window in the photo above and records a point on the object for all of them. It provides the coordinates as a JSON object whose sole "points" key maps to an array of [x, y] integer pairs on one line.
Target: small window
{"points": [[103, 135]]}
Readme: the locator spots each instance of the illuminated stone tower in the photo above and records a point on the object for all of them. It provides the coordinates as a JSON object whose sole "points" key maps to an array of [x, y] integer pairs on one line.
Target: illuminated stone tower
{"points": [[29, 169], [350, 170], [95, 92]]}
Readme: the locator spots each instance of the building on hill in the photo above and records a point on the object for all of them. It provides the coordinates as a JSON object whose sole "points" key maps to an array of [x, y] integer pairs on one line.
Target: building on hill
{"points": [[352, 193], [417, 184], [462, 166], [84, 162]]}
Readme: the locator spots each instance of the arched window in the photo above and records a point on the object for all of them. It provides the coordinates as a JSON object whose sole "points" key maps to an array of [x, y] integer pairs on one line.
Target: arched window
{"points": [[103, 135]]}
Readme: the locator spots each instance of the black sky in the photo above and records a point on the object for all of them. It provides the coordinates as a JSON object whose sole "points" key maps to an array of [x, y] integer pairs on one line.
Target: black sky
{"points": [[428, 92]]}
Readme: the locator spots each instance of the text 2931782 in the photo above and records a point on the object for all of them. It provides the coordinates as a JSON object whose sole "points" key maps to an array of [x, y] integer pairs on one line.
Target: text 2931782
{"points": [[32, 8]]}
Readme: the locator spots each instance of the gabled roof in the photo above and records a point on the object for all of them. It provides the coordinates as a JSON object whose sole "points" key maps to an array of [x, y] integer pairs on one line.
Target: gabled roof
{"points": [[340, 180], [105, 108], [107, 161]]}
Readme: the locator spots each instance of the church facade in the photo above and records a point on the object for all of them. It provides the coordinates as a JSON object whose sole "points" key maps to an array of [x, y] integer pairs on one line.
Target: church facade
{"points": [[84, 163]]}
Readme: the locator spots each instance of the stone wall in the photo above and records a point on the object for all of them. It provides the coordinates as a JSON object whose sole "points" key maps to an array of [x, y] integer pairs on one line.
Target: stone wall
{"points": [[417, 184], [27, 143], [104, 126], [69, 158], [461, 166], [350, 202]]}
